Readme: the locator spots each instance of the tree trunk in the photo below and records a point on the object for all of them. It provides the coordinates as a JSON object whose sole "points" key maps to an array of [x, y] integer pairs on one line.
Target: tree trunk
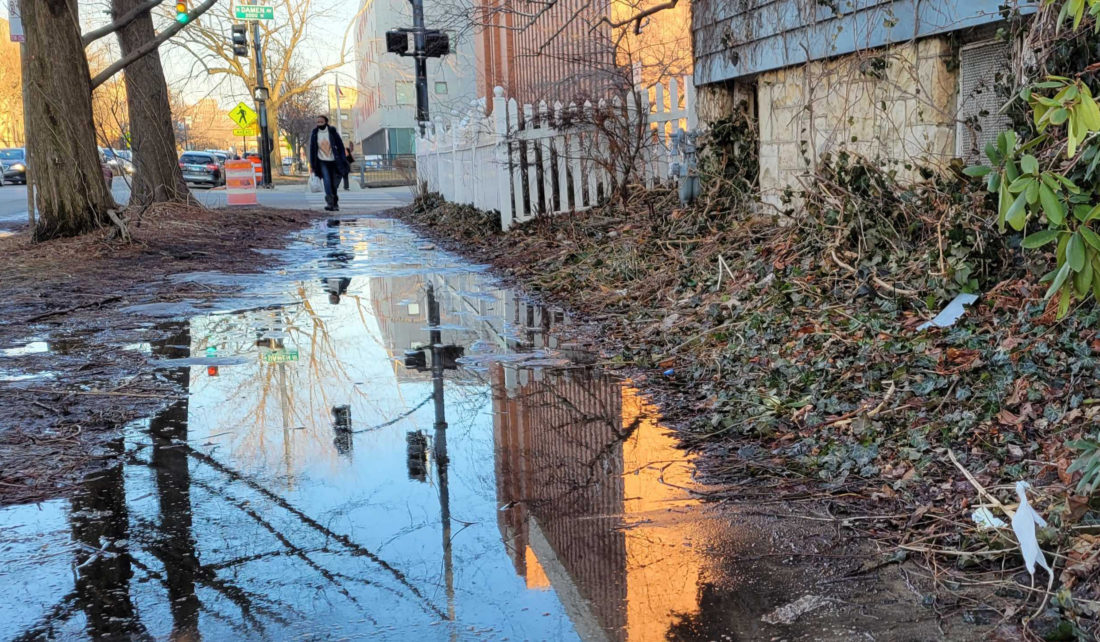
{"points": [[62, 157], [157, 175]]}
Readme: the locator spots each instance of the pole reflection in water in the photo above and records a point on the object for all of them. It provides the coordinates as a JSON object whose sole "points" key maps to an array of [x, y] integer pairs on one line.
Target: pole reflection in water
{"points": [[439, 364]]}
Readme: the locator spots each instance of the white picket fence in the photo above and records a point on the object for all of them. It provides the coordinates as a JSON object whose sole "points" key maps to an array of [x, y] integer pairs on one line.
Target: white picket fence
{"points": [[547, 159]]}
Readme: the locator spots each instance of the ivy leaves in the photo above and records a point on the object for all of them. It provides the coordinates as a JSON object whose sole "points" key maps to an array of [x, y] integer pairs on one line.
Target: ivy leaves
{"points": [[1075, 10], [1030, 190], [1073, 106]]}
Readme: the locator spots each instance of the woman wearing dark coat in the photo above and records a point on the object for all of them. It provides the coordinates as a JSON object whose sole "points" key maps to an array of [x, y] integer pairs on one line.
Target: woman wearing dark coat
{"points": [[328, 161]]}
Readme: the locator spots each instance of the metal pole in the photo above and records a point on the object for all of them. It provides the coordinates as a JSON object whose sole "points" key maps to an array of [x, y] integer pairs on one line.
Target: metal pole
{"points": [[441, 458], [265, 138], [421, 64], [339, 113], [26, 161]]}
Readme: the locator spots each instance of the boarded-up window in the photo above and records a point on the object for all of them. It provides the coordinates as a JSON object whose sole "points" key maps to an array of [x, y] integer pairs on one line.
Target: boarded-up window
{"points": [[982, 66]]}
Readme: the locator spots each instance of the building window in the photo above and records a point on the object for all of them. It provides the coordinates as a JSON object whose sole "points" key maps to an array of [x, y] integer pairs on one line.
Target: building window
{"points": [[441, 88], [406, 92], [981, 66]]}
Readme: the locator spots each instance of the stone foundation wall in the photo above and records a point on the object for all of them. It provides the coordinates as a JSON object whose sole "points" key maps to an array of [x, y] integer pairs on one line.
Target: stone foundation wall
{"points": [[894, 106]]}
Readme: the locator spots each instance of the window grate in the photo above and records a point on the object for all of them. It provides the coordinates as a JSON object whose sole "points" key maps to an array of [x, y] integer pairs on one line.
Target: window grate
{"points": [[981, 67]]}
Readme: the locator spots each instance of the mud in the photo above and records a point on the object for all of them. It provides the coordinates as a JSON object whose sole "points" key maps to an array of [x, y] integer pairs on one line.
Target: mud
{"points": [[86, 307]]}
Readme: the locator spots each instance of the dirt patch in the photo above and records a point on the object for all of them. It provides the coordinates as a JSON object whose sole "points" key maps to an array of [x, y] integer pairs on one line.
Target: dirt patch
{"points": [[74, 368]]}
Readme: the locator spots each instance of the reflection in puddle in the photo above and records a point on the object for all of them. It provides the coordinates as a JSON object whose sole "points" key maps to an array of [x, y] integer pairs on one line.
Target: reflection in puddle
{"points": [[371, 460], [34, 347]]}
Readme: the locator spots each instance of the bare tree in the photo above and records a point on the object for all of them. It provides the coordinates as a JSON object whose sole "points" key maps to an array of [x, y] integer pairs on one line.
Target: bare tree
{"points": [[64, 163], [286, 46], [11, 92], [297, 115], [157, 175], [599, 60]]}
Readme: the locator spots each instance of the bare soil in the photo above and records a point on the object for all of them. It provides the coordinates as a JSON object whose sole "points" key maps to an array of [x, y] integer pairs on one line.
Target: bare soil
{"points": [[71, 294]]}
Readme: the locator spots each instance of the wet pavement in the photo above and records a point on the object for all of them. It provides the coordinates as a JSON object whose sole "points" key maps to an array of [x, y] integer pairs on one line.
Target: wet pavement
{"points": [[380, 441]]}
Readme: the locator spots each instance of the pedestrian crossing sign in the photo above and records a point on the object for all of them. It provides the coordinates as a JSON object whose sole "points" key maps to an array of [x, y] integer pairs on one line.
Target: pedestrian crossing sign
{"points": [[243, 115], [251, 130]]}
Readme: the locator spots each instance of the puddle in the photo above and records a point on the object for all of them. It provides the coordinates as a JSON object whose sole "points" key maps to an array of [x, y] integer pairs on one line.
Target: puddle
{"points": [[345, 465], [34, 347]]}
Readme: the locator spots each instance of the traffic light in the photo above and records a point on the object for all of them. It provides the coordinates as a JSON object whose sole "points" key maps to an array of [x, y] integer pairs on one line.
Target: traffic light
{"points": [[436, 43], [240, 40], [181, 12], [397, 42]]}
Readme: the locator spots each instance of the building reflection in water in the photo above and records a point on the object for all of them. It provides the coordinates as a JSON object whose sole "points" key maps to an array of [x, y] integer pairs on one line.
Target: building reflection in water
{"points": [[587, 483]]}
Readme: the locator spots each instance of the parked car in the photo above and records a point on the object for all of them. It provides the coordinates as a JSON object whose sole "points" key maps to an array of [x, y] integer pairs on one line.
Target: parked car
{"points": [[117, 160], [14, 162], [201, 168]]}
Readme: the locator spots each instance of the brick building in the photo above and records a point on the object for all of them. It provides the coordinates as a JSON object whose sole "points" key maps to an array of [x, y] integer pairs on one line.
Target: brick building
{"points": [[568, 50]]}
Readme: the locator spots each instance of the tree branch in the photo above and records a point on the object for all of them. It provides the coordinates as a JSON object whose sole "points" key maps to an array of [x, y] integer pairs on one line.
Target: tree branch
{"points": [[638, 17], [121, 22], [150, 46]]}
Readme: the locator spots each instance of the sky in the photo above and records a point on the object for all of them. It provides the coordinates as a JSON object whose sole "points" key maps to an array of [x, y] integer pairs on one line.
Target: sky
{"points": [[323, 38]]}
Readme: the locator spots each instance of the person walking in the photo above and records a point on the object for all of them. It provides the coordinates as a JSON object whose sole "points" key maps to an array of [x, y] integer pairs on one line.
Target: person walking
{"points": [[350, 160], [328, 161]]}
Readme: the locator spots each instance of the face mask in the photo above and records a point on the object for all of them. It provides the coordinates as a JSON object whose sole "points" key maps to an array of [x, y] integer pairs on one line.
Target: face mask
{"points": [[322, 127]]}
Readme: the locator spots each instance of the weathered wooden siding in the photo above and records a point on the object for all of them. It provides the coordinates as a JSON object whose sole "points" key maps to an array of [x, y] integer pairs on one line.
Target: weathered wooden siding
{"points": [[737, 38]]}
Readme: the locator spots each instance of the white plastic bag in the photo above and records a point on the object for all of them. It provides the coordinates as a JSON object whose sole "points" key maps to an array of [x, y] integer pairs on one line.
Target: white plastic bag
{"points": [[315, 183]]}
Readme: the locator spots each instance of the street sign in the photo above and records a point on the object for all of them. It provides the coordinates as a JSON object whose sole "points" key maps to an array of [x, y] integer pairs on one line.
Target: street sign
{"points": [[240, 183], [15, 22], [251, 130], [280, 356], [243, 115], [253, 12]]}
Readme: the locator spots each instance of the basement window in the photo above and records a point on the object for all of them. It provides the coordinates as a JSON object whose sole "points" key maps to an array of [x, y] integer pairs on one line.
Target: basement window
{"points": [[982, 66]]}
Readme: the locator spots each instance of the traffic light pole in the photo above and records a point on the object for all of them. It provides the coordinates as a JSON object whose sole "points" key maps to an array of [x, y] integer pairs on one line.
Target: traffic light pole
{"points": [[421, 64], [265, 137]]}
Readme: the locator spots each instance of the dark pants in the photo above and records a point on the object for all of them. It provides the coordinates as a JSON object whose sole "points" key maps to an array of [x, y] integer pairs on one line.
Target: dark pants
{"points": [[346, 188], [330, 176]]}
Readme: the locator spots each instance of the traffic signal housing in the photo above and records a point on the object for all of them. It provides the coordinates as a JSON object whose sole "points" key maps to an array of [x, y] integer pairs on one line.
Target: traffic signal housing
{"points": [[436, 43], [397, 41], [181, 12], [240, 40]]}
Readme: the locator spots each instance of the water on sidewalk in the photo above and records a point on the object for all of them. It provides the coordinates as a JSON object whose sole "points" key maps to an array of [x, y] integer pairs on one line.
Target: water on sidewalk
{"points": [[326, 474]]}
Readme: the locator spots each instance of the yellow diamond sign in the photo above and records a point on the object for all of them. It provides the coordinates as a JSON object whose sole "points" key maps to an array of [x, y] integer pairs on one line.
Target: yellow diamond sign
{"points": [[243, 115]]}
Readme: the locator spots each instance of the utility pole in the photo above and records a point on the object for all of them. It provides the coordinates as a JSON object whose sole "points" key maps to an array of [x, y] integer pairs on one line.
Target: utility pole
{"points": [[339, 113], [31, 209], [421, 63], [427, 43], [261, 105]]}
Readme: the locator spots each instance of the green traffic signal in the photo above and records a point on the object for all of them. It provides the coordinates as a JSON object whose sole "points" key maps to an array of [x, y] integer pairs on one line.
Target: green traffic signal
{"points": [[182, 18]]}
